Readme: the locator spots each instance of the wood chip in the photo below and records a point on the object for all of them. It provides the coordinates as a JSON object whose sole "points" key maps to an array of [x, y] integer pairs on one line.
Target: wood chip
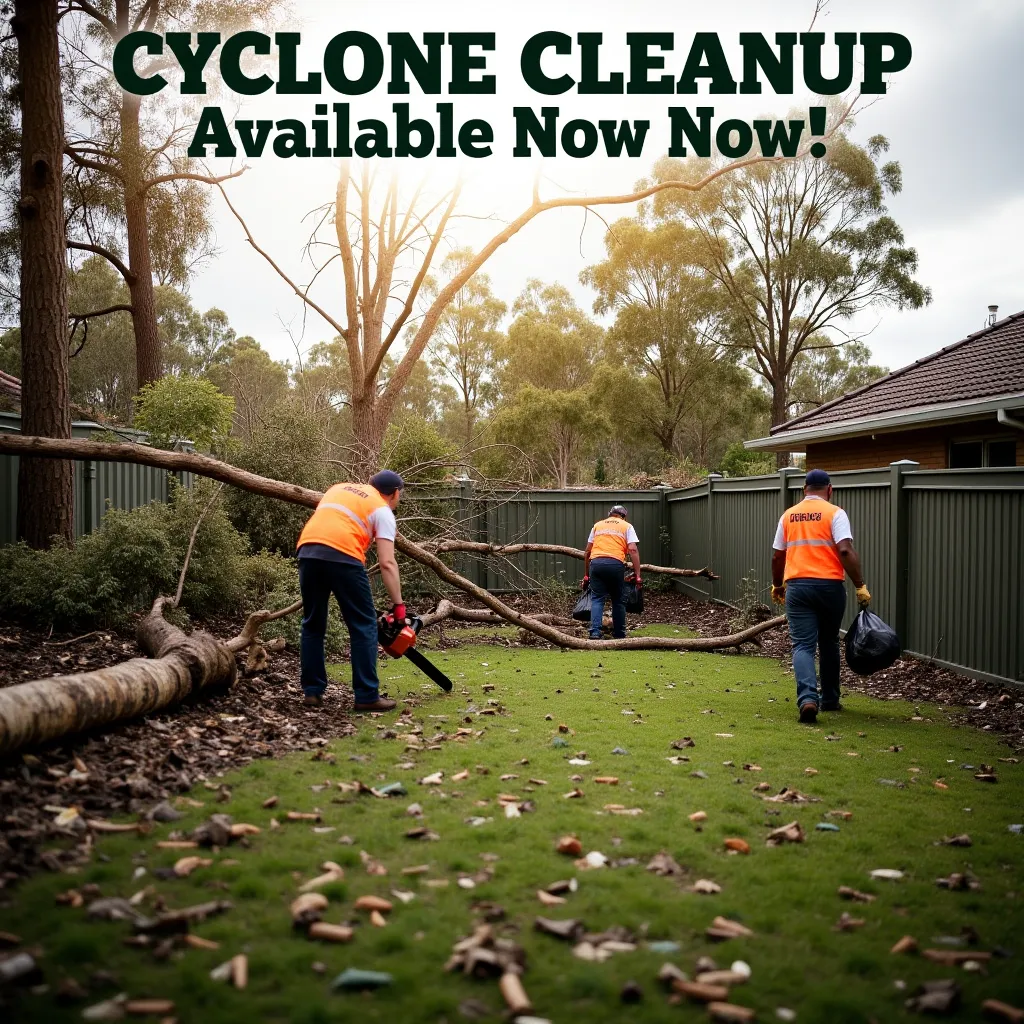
{"points": [[377, 919], [699, 816], [377, 903], [148, 1007], [548, 899], [177, 844], [739, 845], [908, 944], [996, 1010], [607, 780], [302, 816], [271, 801], [186, 865], [198, 942], [329, 932], [853, 894], [514, 994], [700, 993], [730, 1013], [955, 957], [240, 970]]}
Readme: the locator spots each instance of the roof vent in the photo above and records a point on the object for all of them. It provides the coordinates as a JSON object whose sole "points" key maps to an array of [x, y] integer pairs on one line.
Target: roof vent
{"points": [[992, 311]]}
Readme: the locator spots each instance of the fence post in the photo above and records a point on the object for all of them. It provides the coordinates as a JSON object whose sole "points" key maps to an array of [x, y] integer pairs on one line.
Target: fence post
{"points": [[664, 524], [784, 474], [712, 477], [898, 547], [88, 496]]}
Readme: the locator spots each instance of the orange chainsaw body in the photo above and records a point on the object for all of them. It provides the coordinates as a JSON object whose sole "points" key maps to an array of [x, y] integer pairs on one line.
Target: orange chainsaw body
{"points": [[404, 639]]}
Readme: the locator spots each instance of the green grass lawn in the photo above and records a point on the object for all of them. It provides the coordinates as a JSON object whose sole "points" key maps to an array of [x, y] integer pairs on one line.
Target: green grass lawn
{"points": [[639, 702]]}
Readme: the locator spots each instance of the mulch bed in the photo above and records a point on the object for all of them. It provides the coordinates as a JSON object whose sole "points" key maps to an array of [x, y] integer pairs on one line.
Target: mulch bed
{"points": [[132, 767]]}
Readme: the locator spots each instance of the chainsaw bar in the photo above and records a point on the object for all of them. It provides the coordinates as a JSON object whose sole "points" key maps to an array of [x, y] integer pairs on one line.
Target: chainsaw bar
{"points": [[429, 669]]}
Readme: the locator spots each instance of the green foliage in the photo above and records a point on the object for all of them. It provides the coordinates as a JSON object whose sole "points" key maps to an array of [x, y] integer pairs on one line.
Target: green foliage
{"points": [[739, 461], [290, 445], [132, 558], [419, 451], [823, 372], [174, 409]]}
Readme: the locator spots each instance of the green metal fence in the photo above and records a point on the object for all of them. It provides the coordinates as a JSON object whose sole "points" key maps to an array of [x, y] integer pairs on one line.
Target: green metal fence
{"points": [[942, 551], [97, 485]]}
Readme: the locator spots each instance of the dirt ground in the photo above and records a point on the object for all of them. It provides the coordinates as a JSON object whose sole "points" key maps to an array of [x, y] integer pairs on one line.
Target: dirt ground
{"points": [[137, 766]]}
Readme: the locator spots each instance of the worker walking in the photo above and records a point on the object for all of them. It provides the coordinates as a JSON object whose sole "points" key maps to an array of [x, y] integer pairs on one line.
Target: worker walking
{"points": [[813, 551], [332, 560], [610, 543]]}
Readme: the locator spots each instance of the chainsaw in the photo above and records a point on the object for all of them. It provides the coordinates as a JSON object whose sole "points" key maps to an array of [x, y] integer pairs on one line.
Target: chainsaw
{"points": [[398, 638]]}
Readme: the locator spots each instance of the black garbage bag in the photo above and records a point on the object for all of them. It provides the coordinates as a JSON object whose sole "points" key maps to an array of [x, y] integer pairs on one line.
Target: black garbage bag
{"points": [[582, 610], [632, 596], [871, 644]]}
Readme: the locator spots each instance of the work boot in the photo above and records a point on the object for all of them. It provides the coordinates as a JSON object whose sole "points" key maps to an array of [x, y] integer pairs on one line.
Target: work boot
{"points": [[832, 706], [380, 704], [809, 713], [312, 700]]}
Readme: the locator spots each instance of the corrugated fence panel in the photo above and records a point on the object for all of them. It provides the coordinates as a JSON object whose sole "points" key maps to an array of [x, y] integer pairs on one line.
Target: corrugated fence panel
{"points": [[965, 603], [864, 495], [743, 517], [562, 517], [688, 529]]}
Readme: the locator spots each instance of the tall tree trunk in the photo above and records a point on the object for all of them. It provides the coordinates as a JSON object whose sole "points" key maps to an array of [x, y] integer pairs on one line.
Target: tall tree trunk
{"points": [[369, 424], [780, 400], [148, 357], [45, 487]]}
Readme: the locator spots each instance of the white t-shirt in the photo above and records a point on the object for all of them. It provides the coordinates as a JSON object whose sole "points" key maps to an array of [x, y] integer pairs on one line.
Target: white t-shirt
{"points": [[631, 537], [382, 524], [840, 527]]}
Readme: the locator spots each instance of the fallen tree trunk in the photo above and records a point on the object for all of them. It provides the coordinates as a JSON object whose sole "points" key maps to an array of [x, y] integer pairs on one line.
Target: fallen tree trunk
{"points": [[205, 466], [508, 550], [177, 665]]}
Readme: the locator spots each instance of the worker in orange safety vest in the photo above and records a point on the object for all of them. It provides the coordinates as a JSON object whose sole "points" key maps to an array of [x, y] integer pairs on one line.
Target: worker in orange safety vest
{"points": [[812, 554], [610, 543], [332, 560]]}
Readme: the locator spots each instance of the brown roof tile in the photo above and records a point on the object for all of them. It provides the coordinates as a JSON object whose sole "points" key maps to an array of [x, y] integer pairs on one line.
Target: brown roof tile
{"points": [[987, 363]]}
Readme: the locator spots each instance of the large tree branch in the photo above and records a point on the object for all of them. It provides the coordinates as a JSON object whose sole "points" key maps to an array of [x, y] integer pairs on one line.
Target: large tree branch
{"points": [[508, 550], [107, 255], [15, 444], [209, 179], [121, 307], [95, 165]]}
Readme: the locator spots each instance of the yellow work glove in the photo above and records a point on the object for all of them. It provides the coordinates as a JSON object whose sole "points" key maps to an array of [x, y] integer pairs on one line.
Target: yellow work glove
{"points": [[779, 594], [863, 595]]}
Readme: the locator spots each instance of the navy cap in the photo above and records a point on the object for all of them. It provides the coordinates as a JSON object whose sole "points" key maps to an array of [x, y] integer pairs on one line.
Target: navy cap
{"points": [[817, 480], [387, 481]]}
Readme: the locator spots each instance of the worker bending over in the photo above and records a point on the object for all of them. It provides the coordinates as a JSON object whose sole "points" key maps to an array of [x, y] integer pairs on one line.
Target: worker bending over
{"points": [[610, 542], [332, 560], [813, 551]]}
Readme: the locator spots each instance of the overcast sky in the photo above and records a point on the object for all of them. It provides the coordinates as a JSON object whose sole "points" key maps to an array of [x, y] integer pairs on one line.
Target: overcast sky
{"points": [[953, 120]]}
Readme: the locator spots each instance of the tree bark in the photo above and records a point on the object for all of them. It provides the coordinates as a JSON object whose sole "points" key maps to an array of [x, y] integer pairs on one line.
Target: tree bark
{"points": [[148, 355], [45, 487], [178, 665], [780, 408], [206, 466]]}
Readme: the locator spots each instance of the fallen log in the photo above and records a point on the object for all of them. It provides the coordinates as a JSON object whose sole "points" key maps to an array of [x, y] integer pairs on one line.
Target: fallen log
{"points": [[508, 550], [177, 665], [204, 465]]}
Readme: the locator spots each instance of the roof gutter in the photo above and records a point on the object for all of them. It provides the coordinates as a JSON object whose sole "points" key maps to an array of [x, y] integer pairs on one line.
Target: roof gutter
{"points": [[1006, 420], [795, 440]]}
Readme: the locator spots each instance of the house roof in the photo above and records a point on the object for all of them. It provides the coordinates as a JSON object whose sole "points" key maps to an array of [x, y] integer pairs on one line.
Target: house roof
{"points": [[965, 378], [10, 386]]}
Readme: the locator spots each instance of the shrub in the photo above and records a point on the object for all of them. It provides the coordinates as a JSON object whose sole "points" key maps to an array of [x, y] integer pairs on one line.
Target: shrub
{"points": [[290, 446], [183, 408], [738, 461]]}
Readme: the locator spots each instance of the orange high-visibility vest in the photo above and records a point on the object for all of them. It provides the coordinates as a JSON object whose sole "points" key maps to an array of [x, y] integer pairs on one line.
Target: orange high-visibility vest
{"points": [[810, 551], [342, 519], [610, 539]]}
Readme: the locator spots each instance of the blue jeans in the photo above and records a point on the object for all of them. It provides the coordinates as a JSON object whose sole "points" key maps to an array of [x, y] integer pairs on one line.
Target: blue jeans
{"points": [[606, 575], [348, 582], [815, 611]]}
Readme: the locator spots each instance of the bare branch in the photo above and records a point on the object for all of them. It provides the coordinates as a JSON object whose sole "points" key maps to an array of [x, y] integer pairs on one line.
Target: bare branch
{"points": [[107, 255], [295, 288], [209, 179], [191, 544]]}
